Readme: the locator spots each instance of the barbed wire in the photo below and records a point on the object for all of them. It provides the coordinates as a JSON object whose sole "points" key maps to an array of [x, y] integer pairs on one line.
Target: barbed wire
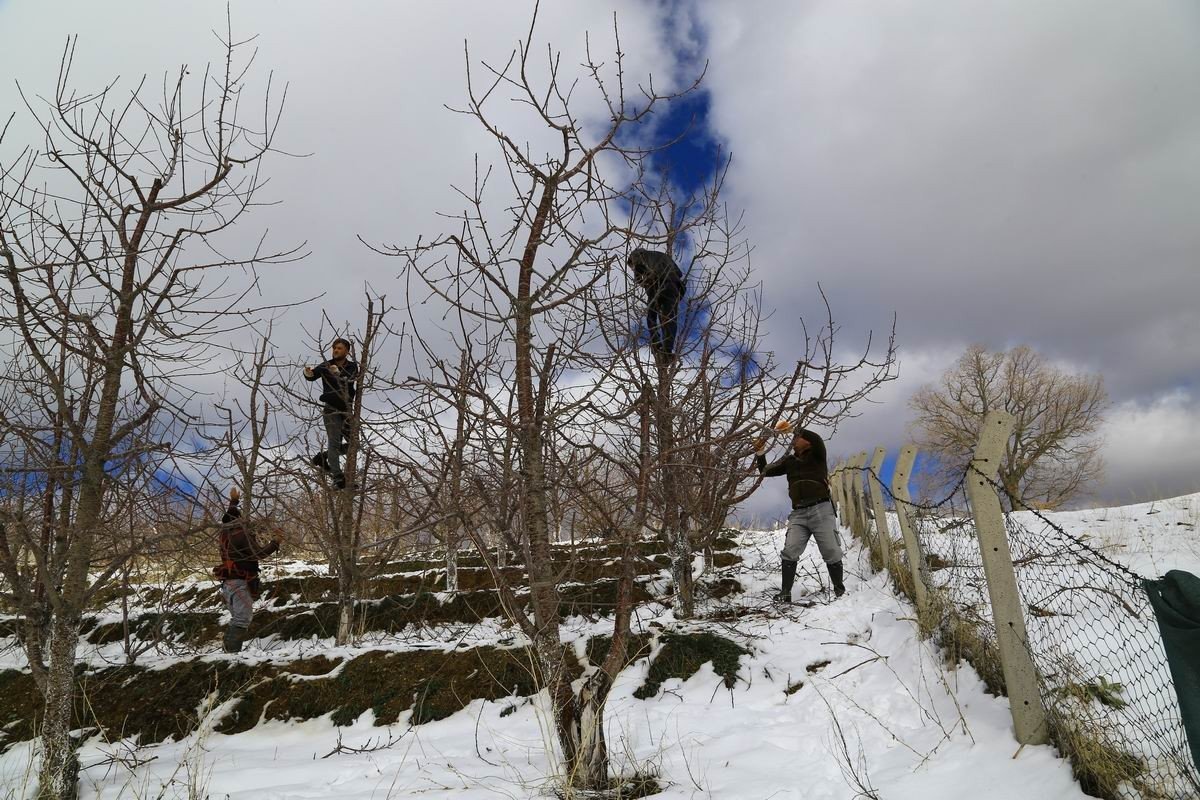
{"points": [[1135, 579], [911, 503]]}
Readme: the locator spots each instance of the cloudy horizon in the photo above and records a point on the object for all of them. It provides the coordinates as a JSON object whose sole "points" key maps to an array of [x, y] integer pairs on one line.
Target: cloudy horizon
{"points": [[991, 173]]}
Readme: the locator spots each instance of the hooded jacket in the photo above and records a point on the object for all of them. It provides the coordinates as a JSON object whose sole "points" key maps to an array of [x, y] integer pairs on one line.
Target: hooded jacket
{"points": [[807, 475], [658, 274]]}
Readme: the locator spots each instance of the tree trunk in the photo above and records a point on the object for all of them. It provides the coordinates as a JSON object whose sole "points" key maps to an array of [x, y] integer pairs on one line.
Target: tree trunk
{"points": [[346, 596], [35, 636], [452, 563], [586, 748], [535, 507], [345, 630], [59, 773], [579, 716], [127, 643], [681, 573], [674, 520]]}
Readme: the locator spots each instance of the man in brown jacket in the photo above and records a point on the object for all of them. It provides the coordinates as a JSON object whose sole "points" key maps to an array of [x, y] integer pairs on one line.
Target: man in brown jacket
{"points": [[238, 571], [812, 508]]}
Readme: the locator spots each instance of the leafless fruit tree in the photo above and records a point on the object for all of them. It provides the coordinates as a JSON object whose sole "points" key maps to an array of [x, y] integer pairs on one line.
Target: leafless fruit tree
{"points": [[113, 290], [520, 278], [721, 389], [358, 528], [555, 408]]}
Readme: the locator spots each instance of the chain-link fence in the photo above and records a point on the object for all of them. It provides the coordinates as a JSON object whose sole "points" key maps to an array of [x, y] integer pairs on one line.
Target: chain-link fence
{"points": [[1102, 673]]}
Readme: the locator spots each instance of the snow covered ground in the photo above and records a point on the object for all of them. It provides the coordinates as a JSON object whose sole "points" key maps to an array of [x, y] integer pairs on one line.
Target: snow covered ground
{"points": [[833, 701], [1149, 538]]}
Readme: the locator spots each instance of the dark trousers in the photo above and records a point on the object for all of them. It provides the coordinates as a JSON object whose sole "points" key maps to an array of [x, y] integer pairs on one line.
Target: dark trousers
{"points": [[336, 428], [662, 319]]}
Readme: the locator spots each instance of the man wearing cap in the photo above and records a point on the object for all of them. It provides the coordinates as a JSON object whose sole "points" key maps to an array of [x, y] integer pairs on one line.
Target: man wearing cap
{"points": [[812, 508]]}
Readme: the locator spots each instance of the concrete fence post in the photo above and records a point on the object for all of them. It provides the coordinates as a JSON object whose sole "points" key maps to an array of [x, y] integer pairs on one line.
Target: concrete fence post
{"points": [[879, 508], [912, 547], [1020, 675], [835, 491], [839, 485], [844, 504], [831, 477], [854, 490]]}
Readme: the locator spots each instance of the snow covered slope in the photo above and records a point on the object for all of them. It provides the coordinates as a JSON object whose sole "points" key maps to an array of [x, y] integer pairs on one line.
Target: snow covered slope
{"points": [[832, 701]]}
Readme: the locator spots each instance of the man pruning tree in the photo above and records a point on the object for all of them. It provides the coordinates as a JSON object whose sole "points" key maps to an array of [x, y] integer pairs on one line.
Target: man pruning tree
{"points": [[662, 279], [338, 376], [812, 508], [238, 571]]}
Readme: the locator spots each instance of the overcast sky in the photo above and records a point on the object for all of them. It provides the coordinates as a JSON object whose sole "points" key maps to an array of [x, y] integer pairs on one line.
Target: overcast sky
{"points": [[994, 172]]}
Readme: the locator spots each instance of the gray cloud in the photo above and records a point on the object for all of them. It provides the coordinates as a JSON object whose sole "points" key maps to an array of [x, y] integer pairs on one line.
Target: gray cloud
{"points": [[995, 173], [368, 83], [1150, 448]]}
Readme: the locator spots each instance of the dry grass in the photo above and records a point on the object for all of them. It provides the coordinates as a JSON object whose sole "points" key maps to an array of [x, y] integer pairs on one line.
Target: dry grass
{"points": [[1103, 770]]}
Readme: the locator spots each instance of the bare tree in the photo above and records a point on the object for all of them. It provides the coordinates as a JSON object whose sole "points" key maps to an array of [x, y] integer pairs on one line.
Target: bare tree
{"points": [[559, 407], [1054, 452], [521, 279], [435, 440], [110, 299], [721, 388], [359, 527]]}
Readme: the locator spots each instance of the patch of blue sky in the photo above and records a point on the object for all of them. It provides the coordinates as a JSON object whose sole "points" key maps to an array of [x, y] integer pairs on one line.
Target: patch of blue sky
{"points": [[692, 154]]}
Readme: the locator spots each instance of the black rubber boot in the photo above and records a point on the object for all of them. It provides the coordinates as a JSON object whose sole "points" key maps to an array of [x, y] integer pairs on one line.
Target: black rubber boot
{"points": [[234, 636], [789, 578], [835, 575]]}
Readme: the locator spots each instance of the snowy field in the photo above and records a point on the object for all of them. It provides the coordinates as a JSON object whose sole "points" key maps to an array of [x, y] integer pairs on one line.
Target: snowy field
{"points": [[833, 701]]}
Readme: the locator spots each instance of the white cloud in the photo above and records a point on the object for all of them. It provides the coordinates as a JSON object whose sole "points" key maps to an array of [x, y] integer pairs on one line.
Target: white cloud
{"points": [[1150, 448], [994, 172], [367, 88]]}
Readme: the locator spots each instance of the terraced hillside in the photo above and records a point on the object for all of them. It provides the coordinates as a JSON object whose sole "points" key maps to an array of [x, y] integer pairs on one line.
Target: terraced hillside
{"points": [[418, 647]]}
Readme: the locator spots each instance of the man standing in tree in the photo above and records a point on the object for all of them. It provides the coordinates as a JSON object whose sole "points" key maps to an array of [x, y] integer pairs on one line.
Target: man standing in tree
{"points": [[338, 376], [812, 508], [662, 279], [238, 571]]}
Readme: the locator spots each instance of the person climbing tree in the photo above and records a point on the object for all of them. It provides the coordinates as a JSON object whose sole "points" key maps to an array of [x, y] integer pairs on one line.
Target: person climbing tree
{"points": [[663, 281], [238, 571], [812, 507], [337, 376]]}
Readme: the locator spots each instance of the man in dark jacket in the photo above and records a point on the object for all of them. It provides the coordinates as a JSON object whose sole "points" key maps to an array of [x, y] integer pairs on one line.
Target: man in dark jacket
{"points": [[662, 279], [812, 508], [238, 571], [338, 376]]}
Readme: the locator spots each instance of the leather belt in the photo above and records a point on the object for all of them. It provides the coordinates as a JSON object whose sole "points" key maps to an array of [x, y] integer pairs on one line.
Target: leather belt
{"points": [[810, 504]]}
